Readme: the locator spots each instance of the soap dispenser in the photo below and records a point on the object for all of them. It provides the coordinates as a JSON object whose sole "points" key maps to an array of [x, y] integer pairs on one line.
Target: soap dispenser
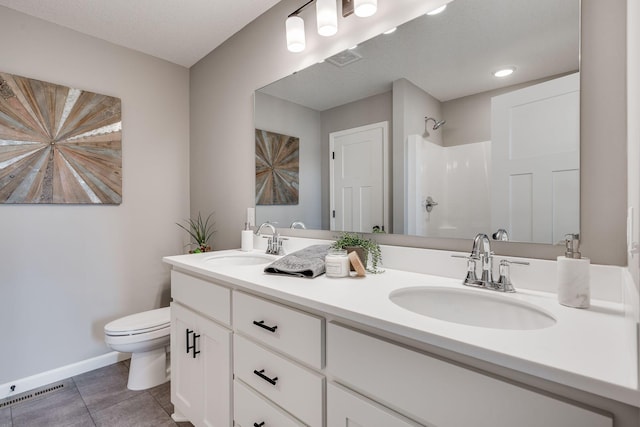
{"points": [[573, 275], [246, 243]]}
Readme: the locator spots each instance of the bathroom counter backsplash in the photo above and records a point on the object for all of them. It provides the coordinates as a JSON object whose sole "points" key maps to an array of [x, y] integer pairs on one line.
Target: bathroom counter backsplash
{"points": [[594, 350]]}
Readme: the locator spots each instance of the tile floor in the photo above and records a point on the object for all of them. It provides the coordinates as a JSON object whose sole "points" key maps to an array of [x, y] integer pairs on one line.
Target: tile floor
{"points": [[96, 398]]}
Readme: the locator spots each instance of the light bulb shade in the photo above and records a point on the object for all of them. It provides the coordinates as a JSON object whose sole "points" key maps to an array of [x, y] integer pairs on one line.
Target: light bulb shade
{"points": [[365, 8], [295, 34], [327, 16]]}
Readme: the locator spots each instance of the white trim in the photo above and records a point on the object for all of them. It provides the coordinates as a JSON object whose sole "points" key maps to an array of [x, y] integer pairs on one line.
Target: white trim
{"points": [[61, 373]]}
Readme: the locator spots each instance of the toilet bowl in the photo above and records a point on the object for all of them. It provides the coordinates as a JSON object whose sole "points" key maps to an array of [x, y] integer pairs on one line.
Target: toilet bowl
{"points": [[146, 336]]}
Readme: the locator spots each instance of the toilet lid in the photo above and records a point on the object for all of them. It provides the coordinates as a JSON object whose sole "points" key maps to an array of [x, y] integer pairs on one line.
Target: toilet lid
{"points": [[139, 323]]}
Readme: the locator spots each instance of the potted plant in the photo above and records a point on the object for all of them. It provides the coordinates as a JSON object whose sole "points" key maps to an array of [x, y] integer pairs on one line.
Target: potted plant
{"points": [[200, 231], [363, 246]]}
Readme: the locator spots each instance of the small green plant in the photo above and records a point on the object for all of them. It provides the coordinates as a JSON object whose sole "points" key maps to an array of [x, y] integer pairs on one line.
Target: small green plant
{"points": [[200, 231], [371, 248]]}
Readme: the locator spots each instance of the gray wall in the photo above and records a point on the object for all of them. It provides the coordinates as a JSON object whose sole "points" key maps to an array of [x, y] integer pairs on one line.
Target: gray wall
{"points": [[280, 116], [222, 85], [67, 270]]}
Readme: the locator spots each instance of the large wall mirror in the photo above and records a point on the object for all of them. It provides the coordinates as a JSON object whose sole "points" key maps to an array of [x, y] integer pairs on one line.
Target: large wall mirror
{"points": [[412, 133]]}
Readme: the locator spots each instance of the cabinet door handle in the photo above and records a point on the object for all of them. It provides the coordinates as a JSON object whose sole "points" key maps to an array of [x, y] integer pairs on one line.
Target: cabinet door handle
{"points": [[263, 326], [258, 425], [189, 332], [195, 344], [266, 378]]}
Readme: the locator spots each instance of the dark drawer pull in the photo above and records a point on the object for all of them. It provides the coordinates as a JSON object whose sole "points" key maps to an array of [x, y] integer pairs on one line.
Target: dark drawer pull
{"points": [[258, 425], [266, 378], [195, 343], [189, 332], [263, 326]]}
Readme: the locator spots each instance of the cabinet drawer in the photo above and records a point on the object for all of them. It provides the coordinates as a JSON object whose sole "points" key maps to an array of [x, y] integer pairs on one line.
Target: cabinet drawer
{"points": [[200, 295], [433, 391], [345, 408], [250, 409], [290, 331], [296, 389]]}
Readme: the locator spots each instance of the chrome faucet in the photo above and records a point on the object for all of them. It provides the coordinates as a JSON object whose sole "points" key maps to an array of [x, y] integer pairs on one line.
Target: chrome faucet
{"points": [[298, 224], [481, 251], [486, 259], [274, 244]]}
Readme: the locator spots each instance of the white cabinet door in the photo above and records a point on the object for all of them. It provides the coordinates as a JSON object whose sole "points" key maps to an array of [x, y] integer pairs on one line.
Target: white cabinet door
{"points": [[200, 368], [535, 184], [346, 409], [186, 381]]}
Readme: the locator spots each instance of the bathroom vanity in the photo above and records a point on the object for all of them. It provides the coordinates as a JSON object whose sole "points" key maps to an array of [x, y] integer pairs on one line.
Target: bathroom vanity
{"points": [[267, 350]]}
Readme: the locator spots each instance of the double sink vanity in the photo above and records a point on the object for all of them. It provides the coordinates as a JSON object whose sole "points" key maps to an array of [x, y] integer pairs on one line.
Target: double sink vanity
{"points": [[408, 347]]}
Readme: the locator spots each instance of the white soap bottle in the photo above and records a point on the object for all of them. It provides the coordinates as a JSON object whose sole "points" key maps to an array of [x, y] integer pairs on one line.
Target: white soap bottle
{"points": [[573, 275], [246, 238]]}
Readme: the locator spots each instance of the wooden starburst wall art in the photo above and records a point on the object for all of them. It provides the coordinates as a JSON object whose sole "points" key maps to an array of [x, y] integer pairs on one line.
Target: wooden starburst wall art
{"points": [[58, 144], [277, 168]]}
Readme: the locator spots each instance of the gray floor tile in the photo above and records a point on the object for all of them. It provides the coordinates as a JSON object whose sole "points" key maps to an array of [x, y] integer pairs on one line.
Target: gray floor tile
{"points": [[5, 417], [140, 411], [62, 408], [162, 395], [105, 387]]}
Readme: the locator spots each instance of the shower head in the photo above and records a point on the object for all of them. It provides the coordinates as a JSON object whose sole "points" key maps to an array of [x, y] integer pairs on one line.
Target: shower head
{"points": [[436, 123]]}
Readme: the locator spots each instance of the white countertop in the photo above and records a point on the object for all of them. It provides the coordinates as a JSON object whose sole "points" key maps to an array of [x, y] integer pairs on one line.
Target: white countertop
{"points": [[585, 349]]}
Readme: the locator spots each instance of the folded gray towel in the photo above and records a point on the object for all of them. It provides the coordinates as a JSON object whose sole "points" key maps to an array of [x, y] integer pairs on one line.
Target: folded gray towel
{"points": [[308, 262]]}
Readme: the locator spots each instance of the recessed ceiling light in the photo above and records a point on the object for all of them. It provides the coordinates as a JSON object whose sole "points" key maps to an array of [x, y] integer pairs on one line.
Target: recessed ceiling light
{"points": [[353, 47], [504, 72], [437, 10], [392, 30]]}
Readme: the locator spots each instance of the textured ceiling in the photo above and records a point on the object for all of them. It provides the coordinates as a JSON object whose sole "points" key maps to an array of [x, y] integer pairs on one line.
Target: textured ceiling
{"points": [[179, 31]]}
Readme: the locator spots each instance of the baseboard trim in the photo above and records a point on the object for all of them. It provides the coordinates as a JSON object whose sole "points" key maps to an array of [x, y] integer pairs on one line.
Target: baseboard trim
{"points": [[61, 373]]}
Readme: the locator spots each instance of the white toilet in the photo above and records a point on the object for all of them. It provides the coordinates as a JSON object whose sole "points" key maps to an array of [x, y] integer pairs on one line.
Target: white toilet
{"points": [[146, 336]]}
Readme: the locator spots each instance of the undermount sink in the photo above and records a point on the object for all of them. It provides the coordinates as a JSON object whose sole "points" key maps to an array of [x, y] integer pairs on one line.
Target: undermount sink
{"points": [[240, 259], [475, 308]]}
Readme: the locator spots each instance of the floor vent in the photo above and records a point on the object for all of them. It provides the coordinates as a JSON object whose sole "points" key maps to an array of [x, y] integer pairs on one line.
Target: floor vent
{"points": [[30, 395]]}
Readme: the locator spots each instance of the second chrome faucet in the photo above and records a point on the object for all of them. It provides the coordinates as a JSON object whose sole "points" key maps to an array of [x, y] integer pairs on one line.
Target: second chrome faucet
{"points": [[481, 252]]}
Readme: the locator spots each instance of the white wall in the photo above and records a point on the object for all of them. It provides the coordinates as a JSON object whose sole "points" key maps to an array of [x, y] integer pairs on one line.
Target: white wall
{"points": [[67, 270], [287, 118], [456, 178]]}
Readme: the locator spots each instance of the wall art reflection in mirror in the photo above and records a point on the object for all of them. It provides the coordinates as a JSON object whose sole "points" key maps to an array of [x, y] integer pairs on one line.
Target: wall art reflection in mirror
{"points": [[58, 144], [277, 168]]}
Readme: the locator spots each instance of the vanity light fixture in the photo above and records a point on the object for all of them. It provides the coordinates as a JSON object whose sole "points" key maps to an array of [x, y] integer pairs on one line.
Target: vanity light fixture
{"points": [[365, 8], [504, 72], [437, 10], [327, 17], [295, 33]]}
